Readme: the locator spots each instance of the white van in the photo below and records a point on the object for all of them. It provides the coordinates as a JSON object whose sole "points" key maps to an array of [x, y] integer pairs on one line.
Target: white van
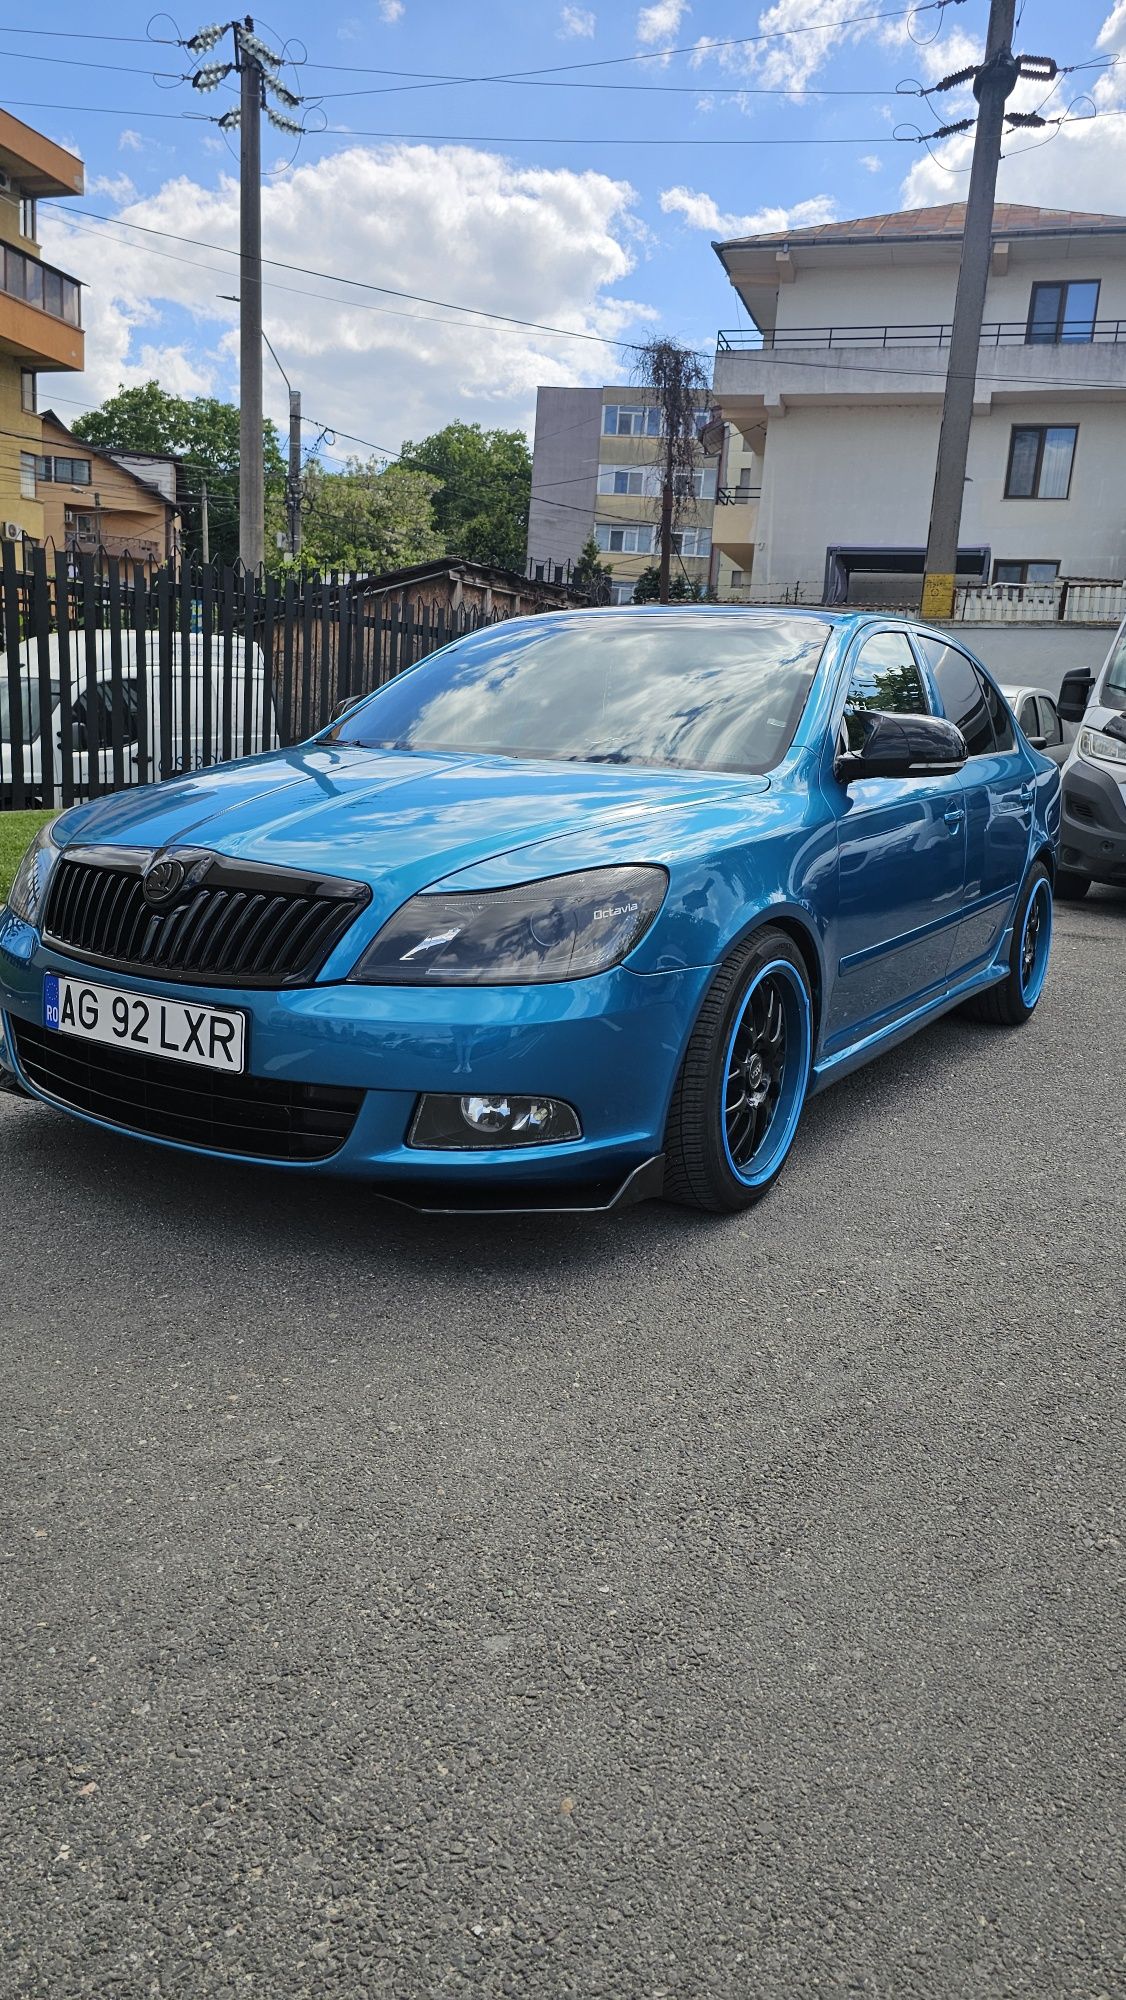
{"points": [[144, 756]]}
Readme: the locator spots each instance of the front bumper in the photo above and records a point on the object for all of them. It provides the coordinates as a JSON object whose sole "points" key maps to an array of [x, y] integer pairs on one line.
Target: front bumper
{"points": [[1093, 838], [610, 1045]]}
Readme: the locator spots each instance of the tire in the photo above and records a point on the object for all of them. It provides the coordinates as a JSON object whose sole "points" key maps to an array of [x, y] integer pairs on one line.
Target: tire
{"points": [[731, 1124], [1071, 887], [1013, 1001]]}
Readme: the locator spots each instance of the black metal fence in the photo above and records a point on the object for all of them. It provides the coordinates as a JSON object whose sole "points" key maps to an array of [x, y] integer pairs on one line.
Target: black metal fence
{"points": [[114, 674]]}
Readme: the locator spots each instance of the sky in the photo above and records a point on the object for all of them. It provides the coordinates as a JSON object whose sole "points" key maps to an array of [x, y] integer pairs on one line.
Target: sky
{"points": [[583, 194]]}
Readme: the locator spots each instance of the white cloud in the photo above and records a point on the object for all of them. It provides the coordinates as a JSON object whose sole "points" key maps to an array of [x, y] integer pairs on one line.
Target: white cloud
{"points": [[872, 162], [700, 211], [805, 34], [390, 10], [660, 22], [119, 187], [129, 141], [576, 23], [537, 243]]}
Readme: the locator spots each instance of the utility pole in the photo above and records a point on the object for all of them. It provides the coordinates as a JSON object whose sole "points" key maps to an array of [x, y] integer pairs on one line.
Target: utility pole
{"points": [[293, 483], [252, 477], [257, 67], [993, 85], [206, 525]]}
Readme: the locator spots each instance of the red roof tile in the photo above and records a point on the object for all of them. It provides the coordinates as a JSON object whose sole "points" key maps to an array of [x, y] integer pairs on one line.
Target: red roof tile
{"points": [[1009, 219]]}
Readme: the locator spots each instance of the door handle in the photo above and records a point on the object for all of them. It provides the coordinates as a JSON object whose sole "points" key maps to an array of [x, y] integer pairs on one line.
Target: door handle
{"points": [[1026, 794], [954, 815]]}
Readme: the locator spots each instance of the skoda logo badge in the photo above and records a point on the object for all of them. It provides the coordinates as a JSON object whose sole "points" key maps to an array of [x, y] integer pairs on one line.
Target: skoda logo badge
{"points": [[163, 881]]}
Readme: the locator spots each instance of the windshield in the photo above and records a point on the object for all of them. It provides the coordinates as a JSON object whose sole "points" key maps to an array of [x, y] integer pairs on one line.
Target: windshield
{"points": [[1114, 686], [704, 690], [29, 710]]}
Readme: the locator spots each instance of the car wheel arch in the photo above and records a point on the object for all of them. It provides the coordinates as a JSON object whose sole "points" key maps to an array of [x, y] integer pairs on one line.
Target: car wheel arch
{"points": [[799, 928]]}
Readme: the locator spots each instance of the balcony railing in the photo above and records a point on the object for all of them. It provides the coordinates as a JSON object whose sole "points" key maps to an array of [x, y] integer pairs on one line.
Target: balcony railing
{"points": [[934, 333], [41, 285], [732, 496], [1079, 601]]}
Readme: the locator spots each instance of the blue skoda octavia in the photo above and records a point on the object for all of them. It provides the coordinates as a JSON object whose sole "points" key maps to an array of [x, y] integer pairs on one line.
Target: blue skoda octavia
{"points": [[580, 909]]}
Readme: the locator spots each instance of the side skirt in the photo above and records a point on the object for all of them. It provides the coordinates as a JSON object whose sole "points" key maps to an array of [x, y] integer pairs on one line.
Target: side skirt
{"points": [[878, 1044]]}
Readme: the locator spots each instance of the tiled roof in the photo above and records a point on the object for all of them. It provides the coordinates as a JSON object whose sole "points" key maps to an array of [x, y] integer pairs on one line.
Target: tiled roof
{"points": [[1010, 218]]}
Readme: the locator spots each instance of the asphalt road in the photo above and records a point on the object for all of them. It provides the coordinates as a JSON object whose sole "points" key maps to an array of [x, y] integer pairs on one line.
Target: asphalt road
{"points": [[649, 1609]]}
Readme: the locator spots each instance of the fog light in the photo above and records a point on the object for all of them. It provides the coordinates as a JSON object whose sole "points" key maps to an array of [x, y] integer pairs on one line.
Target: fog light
{"points": [[470, 1123]]}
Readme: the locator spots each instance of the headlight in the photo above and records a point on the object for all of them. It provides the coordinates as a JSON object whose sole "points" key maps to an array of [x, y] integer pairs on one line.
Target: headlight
{"points": [[1099, 748], [28, 892], [565, 927]]}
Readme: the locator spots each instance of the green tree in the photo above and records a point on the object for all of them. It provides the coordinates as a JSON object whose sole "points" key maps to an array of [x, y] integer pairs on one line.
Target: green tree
{"points": [[368, 517], [590, 573], [682, 589], [481, 511], [202, 433]]}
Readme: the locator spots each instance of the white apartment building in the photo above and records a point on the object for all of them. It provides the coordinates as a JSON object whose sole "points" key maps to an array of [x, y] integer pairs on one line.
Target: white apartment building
{"points": [[596, 470], [835, 383]]}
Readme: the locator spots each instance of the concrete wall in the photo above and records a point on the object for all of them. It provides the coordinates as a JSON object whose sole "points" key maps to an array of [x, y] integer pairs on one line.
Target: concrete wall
{"points": [[865, 287], [564, 473], [864, 474], [1036, 655]]}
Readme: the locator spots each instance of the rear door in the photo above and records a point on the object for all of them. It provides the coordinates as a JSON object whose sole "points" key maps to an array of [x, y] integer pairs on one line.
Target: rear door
{"points": [[901, 860], [998, 786]]}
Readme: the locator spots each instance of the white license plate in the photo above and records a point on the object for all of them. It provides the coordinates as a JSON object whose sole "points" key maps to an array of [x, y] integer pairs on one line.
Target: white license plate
{"points": [[209, 1037]]}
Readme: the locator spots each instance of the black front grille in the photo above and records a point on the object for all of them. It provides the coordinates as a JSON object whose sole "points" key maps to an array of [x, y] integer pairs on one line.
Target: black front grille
{"points": [[199, 1107], [235, 923]]}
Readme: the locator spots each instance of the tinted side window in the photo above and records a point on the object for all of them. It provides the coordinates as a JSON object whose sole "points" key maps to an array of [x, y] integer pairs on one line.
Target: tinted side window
{"points": [[885, 677], [963, 695], [1050, 726], [1003, 731]]}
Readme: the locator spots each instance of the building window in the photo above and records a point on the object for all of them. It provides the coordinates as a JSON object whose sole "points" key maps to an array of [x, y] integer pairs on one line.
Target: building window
{"points": [[631, 420], [1040, 461], [692, 541], [628, 538], [27, 217], [735, 580], [27, 475], [1062, 312], [644, 481], [65, 471], [29, 391], [621, 593], [1025, 572], [640, 480], [40, 285]]}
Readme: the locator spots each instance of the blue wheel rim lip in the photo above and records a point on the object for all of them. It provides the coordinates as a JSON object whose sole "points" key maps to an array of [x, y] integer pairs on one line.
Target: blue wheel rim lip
{"points": [[780, 1133], [1032, 988]]}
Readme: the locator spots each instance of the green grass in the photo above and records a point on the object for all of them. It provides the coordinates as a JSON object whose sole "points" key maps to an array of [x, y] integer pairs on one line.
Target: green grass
{"points": [[16, 830]]}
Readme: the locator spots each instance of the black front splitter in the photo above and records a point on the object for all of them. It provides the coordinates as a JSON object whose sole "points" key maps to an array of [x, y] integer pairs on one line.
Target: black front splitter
{"points": [[644, 1183]]}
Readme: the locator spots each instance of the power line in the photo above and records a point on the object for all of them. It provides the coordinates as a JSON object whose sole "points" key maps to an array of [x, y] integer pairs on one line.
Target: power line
{"points": [[506, 319], [698, 49], [83, 62]]}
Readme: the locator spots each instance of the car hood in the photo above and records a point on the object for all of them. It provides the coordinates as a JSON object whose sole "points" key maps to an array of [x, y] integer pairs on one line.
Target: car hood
{"points": [[396, 821]]}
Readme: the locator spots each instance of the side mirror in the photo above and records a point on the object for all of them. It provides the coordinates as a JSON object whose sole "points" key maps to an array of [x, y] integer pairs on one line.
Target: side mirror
{"points": [[902, 746], [1074, 695], [341, 707], [1038, 742]]}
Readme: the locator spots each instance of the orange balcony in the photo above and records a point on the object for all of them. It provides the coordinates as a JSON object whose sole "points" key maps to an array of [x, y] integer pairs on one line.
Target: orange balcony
{"points": [[40, 312]]}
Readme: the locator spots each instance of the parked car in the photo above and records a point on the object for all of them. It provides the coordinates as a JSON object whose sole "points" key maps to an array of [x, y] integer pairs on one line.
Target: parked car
{"points": [[581, 908], [1094, 777], [1041, 722], [152, 743]]}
